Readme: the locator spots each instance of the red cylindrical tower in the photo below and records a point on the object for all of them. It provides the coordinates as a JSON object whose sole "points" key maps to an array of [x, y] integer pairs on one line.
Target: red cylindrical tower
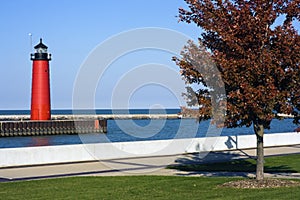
{"points": [[40, 90]]}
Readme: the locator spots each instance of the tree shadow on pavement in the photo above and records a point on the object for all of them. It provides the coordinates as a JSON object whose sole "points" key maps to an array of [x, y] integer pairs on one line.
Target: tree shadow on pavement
{"points": [[223, 163]]}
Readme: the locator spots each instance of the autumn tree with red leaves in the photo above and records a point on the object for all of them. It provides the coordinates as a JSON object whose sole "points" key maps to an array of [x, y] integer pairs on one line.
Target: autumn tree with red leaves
{"points": [[258, 59]]}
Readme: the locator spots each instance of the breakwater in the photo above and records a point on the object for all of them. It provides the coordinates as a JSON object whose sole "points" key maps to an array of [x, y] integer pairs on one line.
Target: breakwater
{"points": [[51, 127], [20, 125]]}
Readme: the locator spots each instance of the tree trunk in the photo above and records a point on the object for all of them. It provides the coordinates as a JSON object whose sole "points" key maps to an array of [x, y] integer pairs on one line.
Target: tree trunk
{"points": [[259, 131]]}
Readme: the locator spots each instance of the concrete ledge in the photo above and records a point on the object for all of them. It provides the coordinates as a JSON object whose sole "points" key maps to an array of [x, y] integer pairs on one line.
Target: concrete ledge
{"points": [[10, 157]]}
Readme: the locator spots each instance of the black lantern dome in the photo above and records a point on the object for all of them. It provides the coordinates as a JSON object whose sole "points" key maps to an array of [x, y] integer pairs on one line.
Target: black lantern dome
{"points": [[41, 52]]}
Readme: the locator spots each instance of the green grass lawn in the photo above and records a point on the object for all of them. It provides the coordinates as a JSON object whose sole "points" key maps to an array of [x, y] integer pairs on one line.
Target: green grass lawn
{"points": [[138, 187], [157, 187], [286, 163]]}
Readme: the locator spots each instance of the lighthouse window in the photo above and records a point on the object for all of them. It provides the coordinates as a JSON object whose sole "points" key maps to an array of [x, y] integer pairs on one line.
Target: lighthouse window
{"points": [[40, 50]]}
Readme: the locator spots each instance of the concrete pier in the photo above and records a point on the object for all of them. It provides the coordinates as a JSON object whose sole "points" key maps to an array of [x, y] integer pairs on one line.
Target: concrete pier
{"points": [[21, 125], [51, 127]]}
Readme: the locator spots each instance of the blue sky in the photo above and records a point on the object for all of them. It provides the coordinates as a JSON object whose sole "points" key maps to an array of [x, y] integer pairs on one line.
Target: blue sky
{"points": [[71, 30]]}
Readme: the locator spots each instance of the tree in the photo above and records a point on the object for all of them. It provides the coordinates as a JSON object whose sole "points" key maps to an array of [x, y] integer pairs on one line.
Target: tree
{"points": [[257, 57]]}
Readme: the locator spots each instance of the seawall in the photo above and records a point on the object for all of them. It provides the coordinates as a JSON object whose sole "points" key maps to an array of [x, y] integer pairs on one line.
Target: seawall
{"points": [[10, 157]]}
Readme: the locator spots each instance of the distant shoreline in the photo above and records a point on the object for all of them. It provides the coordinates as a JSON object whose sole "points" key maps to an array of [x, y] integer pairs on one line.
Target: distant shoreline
{"points": [[97, 111]]}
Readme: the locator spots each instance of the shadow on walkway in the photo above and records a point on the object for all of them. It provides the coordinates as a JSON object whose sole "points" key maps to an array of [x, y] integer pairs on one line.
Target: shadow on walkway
{"points": [[237, 163]]}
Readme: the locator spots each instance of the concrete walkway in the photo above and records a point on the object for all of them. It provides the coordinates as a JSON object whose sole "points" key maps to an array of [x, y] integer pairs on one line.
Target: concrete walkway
{"points": [[144, 166]]}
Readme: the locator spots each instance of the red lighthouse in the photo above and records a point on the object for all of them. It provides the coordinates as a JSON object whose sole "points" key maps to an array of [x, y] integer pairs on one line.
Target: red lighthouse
{"points": [[40, 90]]}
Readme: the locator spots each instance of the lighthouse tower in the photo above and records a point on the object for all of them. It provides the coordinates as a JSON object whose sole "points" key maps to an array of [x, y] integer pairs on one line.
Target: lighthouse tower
{"points": [[40, 90]]}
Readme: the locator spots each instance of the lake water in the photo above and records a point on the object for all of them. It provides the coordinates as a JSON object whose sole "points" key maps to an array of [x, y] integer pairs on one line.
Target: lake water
{"points": [[136, 130]]}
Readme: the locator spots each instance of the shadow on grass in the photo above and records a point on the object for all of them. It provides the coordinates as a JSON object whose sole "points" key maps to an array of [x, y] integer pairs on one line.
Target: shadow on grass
{"points": [[227, 162]]}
